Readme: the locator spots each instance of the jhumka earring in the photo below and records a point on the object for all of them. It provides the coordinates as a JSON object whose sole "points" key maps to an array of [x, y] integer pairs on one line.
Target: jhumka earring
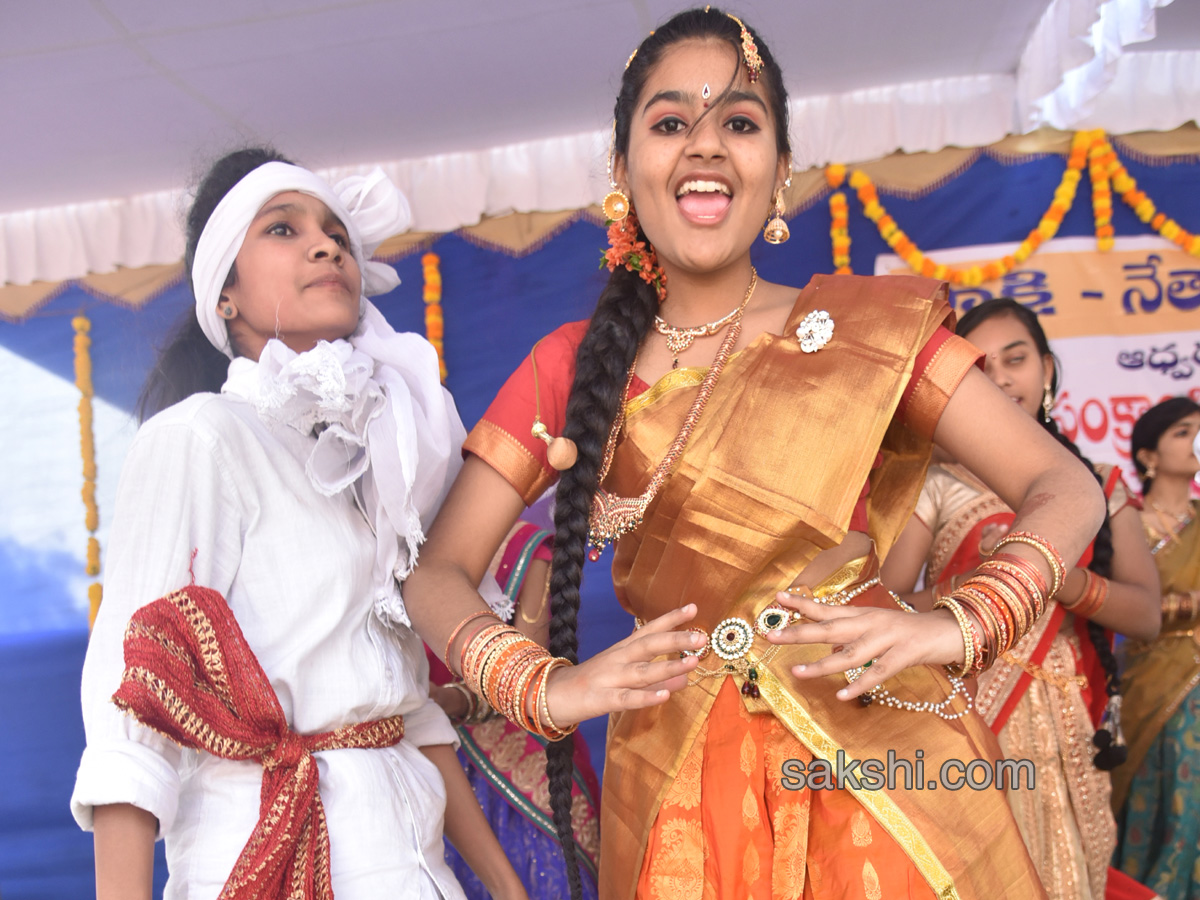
{"points": [[1047, 402], [616, 204], [776, 230]]}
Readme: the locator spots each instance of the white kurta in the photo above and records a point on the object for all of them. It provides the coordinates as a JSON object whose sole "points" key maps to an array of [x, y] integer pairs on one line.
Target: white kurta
{"points": [[208, 475]]}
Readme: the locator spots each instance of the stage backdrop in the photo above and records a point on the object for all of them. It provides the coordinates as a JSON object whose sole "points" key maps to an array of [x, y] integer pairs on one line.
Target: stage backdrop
{"points": [[1122, 323], [496, 304]]}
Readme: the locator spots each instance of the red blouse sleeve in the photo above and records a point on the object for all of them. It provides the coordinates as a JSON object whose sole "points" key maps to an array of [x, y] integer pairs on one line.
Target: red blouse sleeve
{"points": [[937, 372], [503, 439]]}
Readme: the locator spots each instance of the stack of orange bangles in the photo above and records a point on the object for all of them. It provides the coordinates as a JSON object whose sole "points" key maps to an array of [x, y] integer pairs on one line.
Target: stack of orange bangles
{"points": [[1005, 595], [1095, 592], [511, 672]]}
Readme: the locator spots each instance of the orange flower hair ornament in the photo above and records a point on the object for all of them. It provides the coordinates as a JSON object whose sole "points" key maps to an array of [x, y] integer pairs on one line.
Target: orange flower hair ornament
{"points": [[625, 250]]}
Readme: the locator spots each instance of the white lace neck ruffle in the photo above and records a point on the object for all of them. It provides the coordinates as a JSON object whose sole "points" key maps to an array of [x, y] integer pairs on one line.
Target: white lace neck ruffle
{"points": [[385, 426]]}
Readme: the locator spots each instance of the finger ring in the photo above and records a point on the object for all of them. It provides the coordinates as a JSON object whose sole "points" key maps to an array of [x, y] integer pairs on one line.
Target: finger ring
{"points": [[701, 651]]}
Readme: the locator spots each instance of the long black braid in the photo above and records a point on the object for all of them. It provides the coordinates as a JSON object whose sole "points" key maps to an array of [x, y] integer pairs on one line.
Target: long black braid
{"points": [[1110, 754], [623, 316]]}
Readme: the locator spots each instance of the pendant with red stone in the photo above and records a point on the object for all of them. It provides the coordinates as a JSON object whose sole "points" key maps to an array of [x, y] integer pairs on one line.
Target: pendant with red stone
{"points": [[750, 686]]}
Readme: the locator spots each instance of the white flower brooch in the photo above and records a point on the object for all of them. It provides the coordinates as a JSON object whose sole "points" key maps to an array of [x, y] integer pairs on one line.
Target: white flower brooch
{"points": [[815, 331]]}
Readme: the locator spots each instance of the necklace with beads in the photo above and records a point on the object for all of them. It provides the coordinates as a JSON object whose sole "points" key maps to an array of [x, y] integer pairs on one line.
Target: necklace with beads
{"points": [[679, 339], [614, 516], [1169, 532]]}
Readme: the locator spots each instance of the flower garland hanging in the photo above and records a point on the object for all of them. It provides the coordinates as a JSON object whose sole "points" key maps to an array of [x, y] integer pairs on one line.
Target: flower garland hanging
{"points": [[87, 446], [839, 220], [435, 322], [1143, 207], [1100, 156], [1064, 197]]}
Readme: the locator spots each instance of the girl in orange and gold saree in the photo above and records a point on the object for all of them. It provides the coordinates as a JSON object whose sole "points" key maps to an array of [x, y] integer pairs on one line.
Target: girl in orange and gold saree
{"points": [[1044, 699], [777, 448], [1157, 791]]}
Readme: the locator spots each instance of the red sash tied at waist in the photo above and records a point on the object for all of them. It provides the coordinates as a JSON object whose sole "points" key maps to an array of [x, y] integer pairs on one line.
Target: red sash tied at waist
{"points": [[190, 675]]}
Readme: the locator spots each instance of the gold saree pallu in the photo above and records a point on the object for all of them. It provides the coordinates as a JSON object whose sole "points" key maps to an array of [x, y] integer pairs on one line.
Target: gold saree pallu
{"points": [[191, 675], [771, 478]]}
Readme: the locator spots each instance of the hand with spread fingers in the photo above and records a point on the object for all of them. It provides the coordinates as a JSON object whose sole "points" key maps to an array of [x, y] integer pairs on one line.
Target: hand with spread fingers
{"points": [[885, 641], [641, 670]]}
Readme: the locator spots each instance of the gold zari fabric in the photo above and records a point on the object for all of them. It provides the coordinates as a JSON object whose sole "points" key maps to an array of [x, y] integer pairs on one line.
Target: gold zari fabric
{"points": [[769, 479]]}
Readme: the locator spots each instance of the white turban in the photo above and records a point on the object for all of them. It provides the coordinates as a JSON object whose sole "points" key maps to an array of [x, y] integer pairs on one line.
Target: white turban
{"points": [[370, 206]]}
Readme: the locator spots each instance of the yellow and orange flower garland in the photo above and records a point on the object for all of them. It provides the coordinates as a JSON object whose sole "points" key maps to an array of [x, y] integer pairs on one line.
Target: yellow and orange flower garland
{"points": [[87, 446], [1088, 148], [435, 322], [1098, 162], [1143, 207], [839, 217]]}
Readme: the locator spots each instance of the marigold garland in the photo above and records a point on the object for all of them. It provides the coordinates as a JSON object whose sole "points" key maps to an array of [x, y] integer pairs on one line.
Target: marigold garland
{"points": [[1143, 207], [1099, 158], [87, 446], [435, 322], [907, 250], [1088, 148], [839, 220]]}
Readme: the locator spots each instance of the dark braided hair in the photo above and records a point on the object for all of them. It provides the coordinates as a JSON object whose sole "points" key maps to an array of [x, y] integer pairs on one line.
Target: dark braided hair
{"points": [[623, 316], [1110, 754], [187, 363]]}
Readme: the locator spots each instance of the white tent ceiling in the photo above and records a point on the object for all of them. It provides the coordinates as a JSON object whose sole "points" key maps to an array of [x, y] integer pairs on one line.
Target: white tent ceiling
{"points": [[107, 100]]}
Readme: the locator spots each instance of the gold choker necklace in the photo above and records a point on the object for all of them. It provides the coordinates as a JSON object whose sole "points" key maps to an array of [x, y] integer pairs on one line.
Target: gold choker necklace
{"points": [[614, 516], [679, 339]]}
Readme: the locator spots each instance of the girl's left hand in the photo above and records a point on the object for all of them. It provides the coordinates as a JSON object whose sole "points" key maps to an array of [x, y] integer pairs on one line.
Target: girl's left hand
{"points": [[891, 640]]}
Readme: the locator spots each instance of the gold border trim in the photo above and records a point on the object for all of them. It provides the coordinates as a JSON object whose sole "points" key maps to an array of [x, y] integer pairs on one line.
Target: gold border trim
{"points": [[672, 381], [845, 577], [881, 806], [510, 458]]}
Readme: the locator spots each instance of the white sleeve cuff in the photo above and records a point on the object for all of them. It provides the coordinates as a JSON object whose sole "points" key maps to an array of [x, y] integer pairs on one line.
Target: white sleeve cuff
{"points": [[126, 772], [428, 726]]}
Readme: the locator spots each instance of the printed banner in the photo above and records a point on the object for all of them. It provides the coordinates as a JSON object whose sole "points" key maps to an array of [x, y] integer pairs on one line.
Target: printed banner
{"points": [[1125, 326]]}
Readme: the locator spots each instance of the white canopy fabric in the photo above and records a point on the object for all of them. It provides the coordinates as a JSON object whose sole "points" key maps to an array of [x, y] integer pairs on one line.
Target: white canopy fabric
{"points": [[484, 109]]}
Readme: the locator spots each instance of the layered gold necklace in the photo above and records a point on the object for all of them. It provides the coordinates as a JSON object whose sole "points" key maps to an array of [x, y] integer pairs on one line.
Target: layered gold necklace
{"points": [[679, 339], [614, 516]]}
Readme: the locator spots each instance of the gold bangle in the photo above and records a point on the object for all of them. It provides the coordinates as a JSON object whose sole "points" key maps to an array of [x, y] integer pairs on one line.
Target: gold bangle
{"points": [[549, 730], [967, 630], [1094, 596], [471, 699], [458, 628], [1047, 551]]}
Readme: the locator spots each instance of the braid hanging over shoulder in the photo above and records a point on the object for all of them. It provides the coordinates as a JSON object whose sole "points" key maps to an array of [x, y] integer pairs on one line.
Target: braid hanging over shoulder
{"points": [[1111, 752]]}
